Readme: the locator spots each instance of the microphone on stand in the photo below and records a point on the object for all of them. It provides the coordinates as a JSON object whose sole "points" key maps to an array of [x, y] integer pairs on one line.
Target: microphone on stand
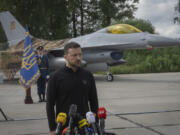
{"points": [[83, 124], [91, 120], [102, 117], [76, 131], [60, 120], [72, 115]]}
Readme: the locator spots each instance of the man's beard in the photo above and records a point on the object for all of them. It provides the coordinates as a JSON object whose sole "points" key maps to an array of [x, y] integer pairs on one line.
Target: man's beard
{"points": [[75, 65]]}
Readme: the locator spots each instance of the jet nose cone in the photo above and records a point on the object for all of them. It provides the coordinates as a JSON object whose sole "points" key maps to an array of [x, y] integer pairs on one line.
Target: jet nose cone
{"points": [[160, 41]]}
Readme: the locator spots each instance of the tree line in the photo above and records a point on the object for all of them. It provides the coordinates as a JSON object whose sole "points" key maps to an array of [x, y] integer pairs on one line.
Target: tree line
{"points": [[60, 19]]}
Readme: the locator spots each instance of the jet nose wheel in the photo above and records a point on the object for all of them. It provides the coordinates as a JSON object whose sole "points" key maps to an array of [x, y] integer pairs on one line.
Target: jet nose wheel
{"points": [[109, 77]]}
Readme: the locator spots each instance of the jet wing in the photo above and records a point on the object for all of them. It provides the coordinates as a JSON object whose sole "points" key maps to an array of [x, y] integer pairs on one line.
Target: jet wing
{"points": [[108, 41], [101, 41]]}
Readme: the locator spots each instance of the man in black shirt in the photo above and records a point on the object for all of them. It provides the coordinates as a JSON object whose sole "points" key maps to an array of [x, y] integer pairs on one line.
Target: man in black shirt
{"points": [[70, 85]]}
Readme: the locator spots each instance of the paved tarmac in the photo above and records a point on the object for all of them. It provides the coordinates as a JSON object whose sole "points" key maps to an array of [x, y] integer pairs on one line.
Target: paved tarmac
{"points": [[137, 104]]}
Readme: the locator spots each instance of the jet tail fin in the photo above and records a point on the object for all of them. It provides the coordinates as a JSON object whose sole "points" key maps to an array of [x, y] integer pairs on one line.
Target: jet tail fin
{"points": [[14, 31]]}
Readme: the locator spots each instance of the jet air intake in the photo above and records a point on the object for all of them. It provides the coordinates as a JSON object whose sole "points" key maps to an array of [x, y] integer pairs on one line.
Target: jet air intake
{"points": [[56, 63], [103, 57]]}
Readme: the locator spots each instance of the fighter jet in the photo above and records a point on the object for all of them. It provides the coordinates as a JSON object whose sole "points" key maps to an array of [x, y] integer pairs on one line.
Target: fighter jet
{"points": [[104, 48]]}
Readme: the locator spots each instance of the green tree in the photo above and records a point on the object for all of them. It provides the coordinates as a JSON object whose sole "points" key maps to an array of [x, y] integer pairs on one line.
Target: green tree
{"points": [[45, 19], [177, 13], [116, 9], [90, 15], [60, 19]]}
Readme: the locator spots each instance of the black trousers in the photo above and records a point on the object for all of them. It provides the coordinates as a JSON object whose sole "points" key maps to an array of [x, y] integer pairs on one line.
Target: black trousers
{"points": [[41, 85]]}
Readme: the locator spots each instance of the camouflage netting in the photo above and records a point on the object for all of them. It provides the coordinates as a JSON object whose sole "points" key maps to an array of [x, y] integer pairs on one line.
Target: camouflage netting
{"points": [[48, 45], [10, 60], [10, 63]]}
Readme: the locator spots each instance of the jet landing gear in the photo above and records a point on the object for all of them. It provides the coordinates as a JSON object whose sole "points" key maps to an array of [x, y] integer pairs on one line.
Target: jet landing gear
{"points": [[109, 77]]}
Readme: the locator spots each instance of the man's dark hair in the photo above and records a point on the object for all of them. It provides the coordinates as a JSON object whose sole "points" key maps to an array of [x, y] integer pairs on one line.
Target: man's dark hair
{"points": [[70, 45]]}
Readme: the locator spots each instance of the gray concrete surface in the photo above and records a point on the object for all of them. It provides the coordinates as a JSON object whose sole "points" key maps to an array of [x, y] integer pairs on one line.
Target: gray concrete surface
{"points": [[137, 104]]}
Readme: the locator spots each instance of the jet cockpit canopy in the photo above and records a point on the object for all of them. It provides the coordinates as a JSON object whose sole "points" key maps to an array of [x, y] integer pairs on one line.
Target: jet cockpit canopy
{"points": [[122, 29]]}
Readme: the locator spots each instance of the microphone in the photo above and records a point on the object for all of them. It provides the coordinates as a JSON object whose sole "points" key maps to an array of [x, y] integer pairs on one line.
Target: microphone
{"points": [[64, 131], [72, 110], [60, 120], [83, 124], [72, 114], [76, 131], [102, 117], [91, 119]]}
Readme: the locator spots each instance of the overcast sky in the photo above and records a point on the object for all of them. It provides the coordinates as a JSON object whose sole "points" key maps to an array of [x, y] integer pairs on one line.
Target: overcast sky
{"points": [[160, 13]]}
